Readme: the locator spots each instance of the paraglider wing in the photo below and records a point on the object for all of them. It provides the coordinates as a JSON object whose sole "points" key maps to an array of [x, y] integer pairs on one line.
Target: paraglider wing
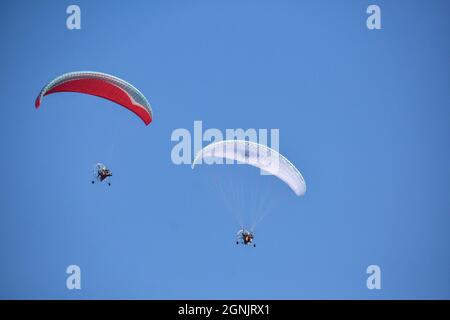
{"points": [[100, 85], [258, 156]]}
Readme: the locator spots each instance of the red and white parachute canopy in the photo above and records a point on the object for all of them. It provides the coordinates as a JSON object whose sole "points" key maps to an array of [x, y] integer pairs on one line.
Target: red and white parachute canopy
{"points": [[101, 85]]}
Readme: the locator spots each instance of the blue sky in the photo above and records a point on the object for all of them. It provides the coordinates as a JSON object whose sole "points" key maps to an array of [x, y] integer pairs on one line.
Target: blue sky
{"points": [[363, 114]]}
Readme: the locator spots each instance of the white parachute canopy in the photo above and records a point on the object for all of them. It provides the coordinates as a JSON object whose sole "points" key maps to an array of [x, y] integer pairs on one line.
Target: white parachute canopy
{"points": [[257, 155]]}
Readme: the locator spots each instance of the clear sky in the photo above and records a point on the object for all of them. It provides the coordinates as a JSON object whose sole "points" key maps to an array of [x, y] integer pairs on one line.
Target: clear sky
{"points": [[364, 115]]}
